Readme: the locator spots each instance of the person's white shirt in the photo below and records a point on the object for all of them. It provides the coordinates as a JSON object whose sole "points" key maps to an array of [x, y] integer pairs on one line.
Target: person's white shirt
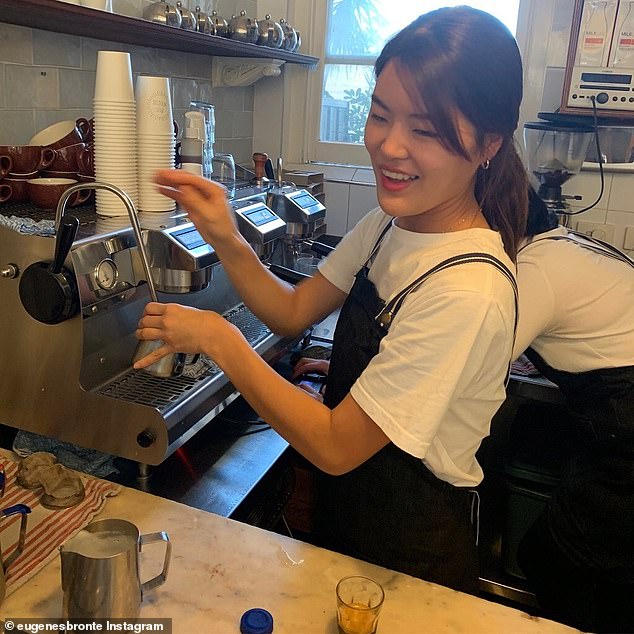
{"points": [[576, 305], [438, 377]]}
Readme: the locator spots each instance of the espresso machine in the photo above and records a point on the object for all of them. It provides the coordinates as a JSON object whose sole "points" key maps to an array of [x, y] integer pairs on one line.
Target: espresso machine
{"points": [[70, 303], [301, 212]]}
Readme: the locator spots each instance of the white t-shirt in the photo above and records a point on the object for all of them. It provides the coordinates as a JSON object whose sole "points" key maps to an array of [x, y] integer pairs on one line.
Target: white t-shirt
{"points": [[438, 377], [576, 306]]}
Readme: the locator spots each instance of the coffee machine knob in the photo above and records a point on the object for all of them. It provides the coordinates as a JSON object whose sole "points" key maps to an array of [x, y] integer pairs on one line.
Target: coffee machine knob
{"points": [[602, 97], [146, 438], [48, 290]]}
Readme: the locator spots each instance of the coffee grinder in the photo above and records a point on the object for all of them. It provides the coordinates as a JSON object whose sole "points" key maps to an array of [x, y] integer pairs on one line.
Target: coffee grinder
{"points": [[555, 153]]}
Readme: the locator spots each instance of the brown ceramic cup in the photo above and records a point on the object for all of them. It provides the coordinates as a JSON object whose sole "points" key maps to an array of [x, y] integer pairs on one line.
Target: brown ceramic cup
{"points": [[6, 192], [67, 158], [56, 174], [19, 193], [63, 133], [28, 158], [6, 165], [45, 193]]}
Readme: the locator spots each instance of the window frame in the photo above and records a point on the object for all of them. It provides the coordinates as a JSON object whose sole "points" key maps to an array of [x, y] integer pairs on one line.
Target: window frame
{"points": [[316, 151]]}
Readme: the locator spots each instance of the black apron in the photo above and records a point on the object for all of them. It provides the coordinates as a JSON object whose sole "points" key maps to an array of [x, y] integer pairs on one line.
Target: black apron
{"points": [[392, 510], [591, 514]]}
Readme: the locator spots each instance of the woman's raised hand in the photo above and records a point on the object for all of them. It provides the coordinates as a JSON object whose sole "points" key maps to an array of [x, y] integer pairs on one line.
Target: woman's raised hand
{"points": [[205, 202]]}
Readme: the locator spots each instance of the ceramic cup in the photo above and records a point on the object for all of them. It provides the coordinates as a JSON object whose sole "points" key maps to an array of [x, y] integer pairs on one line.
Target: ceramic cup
{"points": [[19, 193], [63, 133], [45, 193], [6, 165], [68, 158], [28, 158], [6, 192]]}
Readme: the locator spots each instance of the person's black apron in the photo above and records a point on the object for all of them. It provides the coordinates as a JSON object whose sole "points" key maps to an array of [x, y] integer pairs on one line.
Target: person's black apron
{"points": [[591, 514], [391, 510]]}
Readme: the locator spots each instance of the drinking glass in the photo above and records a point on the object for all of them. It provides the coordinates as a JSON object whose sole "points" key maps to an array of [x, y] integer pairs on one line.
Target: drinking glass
{"points": [[224, 171], [359, 602]]}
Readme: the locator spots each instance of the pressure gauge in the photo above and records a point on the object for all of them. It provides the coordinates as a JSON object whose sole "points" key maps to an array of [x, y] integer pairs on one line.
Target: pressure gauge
{"points": [[106, 274]]}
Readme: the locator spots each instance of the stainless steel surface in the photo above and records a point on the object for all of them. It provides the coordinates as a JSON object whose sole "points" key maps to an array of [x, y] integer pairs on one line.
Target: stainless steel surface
{"points": [[188, 19], [100, 570], [9, 271], [73, 381]]}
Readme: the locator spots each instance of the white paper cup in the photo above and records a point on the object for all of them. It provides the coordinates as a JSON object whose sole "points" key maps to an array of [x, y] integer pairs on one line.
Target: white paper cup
{"points": [[113, 81], [154, 106]]}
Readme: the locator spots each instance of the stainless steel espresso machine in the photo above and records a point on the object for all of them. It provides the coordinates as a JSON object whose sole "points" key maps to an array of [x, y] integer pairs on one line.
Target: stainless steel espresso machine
{"points": [[70, 304]]}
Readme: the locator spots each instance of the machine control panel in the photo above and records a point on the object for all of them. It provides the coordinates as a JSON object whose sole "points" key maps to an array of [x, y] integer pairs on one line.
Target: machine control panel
{"points": [[257, 222], [306, 202], [611, 89]]}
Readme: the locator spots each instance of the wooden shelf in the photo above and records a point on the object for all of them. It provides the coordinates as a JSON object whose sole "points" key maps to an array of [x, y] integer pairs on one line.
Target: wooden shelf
{"points": [[61, 17]]}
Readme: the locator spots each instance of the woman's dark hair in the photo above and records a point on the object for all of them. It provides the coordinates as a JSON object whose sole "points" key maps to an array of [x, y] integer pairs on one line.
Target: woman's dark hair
{"points": [[460, 57]]}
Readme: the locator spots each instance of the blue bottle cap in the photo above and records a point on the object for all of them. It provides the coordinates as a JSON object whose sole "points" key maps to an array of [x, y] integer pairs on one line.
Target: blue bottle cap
{"points": [[256, 621]]}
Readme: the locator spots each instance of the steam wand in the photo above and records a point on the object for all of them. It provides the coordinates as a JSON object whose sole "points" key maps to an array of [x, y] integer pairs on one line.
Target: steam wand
{"points": [[165, 366]]}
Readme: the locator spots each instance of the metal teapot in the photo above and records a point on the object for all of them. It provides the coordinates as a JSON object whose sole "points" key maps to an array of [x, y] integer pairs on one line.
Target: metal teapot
{"points": [[188, 19], [270, 33], [243, 28], [23, 510], [290, 36], [203, 22], [163, 13], [218, 25]]}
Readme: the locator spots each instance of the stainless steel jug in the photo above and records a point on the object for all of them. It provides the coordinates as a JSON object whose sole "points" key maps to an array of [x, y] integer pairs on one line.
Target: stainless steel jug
{"points": [[24, 510], [100, 570]]}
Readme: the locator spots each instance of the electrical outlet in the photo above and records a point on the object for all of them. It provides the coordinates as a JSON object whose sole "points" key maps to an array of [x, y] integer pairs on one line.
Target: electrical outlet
{"points": [[597, 230], [628, 244]]}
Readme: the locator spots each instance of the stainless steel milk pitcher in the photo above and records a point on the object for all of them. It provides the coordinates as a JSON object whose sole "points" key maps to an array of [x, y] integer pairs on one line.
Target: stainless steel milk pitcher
{"points": [[100, 570], [23, 510]]}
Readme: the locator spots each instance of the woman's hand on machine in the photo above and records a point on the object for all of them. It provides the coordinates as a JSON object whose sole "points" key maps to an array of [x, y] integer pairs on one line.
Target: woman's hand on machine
{"points": [[306, 365], [183, 329], [205, 202]]}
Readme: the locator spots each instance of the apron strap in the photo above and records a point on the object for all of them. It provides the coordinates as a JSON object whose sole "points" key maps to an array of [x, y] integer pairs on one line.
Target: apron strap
{"points": [[598, 246], [377, 244], [385, 317]]}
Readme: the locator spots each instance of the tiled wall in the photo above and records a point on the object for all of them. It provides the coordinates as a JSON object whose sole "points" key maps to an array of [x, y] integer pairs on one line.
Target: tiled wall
{"points": [[47, 77]]}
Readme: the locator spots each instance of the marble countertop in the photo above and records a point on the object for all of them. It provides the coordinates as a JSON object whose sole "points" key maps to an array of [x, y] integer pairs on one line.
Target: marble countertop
{"points": [[220, 568]]}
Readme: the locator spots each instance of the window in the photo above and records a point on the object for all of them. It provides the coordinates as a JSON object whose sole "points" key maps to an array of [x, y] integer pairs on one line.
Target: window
{"points": [[356, 31]]}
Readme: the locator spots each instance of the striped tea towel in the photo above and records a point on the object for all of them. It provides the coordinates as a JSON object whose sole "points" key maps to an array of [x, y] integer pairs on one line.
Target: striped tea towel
{"points": [[46, 530]]}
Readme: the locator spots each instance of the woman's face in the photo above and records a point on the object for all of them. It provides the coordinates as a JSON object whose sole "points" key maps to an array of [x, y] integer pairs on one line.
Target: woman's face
{"points": [[418, 179]]}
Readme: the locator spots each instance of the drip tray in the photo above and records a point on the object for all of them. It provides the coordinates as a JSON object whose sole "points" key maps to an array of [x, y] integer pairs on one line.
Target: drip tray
{"points": [[145, 389]]}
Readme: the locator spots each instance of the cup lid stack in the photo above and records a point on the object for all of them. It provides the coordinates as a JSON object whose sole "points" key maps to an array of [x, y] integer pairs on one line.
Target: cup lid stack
{"points": [[115, 131], [156, 142]]}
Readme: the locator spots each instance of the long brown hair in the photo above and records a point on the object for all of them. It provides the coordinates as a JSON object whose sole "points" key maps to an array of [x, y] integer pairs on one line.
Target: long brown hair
{"points": [[465, 59]]}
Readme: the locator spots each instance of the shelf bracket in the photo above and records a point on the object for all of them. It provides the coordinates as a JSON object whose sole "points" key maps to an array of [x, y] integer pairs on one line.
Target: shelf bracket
{"points": [[232, 71]]}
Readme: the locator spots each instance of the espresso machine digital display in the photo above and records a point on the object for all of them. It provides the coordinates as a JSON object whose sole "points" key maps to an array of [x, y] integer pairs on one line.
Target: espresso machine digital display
{"points": [[260, 216], [189, 238], [307, 202]]}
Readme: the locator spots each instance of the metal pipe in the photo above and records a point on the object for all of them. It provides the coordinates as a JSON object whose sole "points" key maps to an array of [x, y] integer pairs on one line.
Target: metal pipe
{"points": [[132, 213]]}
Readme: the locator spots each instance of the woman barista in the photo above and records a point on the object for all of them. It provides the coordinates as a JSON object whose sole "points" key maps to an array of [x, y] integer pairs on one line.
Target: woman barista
{"points": [[422, 345], [577, 315]]}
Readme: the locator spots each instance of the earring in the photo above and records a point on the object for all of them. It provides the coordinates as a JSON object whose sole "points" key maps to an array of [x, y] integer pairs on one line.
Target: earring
{"points": [[486, 164]]}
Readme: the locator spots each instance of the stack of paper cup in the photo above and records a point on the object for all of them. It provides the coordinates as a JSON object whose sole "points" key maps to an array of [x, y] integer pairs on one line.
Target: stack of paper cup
{"points": [[115, 131], [155, 140]]}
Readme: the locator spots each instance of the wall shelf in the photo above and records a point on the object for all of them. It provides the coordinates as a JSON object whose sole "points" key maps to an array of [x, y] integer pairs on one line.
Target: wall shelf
{"points": [[61, 17]]}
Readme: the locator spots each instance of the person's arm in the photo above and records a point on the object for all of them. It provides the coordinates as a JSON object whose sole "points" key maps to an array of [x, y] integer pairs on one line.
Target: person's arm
{"points": [[285, 309], [536, 304], [335, 440]]}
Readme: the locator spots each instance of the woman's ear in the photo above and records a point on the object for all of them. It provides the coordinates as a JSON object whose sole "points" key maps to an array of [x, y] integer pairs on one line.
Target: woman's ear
{"points": [[492, 145]]}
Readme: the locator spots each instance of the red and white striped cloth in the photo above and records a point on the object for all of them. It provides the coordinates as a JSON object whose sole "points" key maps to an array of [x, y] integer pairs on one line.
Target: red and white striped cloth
{"points": [[46, 530]]}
